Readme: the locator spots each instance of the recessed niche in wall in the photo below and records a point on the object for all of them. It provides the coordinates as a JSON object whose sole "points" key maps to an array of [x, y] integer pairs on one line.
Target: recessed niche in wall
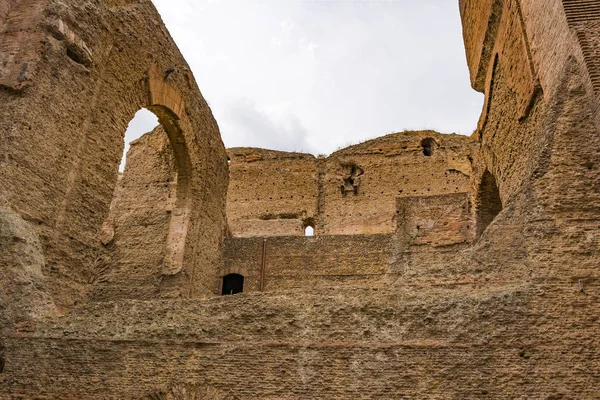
{"points": [[489, 203], [309, 227], [428, 145], [233, 284]]}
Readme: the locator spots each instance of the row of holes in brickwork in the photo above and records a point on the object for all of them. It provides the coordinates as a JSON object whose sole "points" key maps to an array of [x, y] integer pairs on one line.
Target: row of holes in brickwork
{"points": [[445, 188], [406, 181]]}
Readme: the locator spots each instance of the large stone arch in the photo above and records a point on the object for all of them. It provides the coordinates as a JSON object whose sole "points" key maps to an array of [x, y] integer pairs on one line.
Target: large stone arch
{"points": [[168, 105], [141, 207], [63, 120]]}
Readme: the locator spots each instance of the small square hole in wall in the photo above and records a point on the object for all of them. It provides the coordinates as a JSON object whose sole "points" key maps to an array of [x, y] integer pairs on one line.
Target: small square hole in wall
{"points": [[233, 284]]}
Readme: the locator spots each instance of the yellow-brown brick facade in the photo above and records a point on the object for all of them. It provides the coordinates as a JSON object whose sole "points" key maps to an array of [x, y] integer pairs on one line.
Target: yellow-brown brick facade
{"points": [[442, 266]]}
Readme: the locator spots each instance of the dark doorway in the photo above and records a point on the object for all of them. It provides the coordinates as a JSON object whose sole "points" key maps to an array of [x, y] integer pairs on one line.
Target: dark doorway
{"points": [[489, 203], [233, 284]]}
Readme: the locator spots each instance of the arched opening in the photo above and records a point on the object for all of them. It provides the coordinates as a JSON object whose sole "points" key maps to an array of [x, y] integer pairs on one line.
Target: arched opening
{"points": [[428, 145], [233, 284], [143, 122], [148, 221], [309, 227], [489, 203]]}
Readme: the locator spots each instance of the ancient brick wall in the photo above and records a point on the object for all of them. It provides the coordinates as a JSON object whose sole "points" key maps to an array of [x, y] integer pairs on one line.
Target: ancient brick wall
{"points": [[485, 340], [442, 220], [353, 191], [390, 167], [419, 313], [543, 160], [437, 225], [282, 263], [62, 137], [20, 41], [5, 7], [274, 194], [271, 193], [138, 224]]}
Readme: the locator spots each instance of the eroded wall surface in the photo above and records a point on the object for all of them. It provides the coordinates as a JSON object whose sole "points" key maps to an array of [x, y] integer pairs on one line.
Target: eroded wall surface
{"points": [[72, 75], [511, 315], [385, 169], [271, 193], [137, 227], [540, 145], [353, 191], [437, 226], [468, 341]]}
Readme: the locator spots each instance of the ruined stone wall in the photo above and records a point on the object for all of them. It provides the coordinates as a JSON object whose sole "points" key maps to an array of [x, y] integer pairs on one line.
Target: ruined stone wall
{"points": [[20, 41], [512, 315], [442, 220], [438, 226], [391, 167], [540, 146], [72, 75], [5, 7], [281, 263], [268, 247], [271, 193], [137, 227], [434, 341], [353, 191]]}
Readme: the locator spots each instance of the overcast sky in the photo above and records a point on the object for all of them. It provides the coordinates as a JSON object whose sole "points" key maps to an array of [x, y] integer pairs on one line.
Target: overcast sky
{"points": [[314, 76]]}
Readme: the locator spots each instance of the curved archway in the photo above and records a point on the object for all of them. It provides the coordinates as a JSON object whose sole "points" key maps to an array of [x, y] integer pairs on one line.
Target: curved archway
{"points": [[180, 206], [152, 208], [488, 201], [308, 227], [166, 103]]}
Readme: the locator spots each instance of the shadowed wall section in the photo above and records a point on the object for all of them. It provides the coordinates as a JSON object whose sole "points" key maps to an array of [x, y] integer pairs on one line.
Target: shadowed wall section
{"points": [[489, 203]]}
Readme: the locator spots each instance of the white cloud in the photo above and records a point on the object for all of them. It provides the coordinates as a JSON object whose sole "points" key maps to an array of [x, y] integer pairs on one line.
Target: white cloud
{"points": [[316, 75], [277, 128]]}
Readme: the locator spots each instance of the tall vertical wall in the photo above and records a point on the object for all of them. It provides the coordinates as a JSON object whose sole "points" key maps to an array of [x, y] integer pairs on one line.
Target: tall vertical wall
{"points": [[538, 133], [273, 195], [72, 75], [137, 228]]}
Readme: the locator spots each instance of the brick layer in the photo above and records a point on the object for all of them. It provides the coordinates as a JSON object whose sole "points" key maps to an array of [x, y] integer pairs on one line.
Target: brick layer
{"points": [[584, 17], [498, 341], [582, 10]]}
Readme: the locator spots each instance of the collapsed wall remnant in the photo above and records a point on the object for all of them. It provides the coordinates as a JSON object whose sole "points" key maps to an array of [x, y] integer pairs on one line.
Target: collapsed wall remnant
{"points": [[353, 191], [442, 266]]}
